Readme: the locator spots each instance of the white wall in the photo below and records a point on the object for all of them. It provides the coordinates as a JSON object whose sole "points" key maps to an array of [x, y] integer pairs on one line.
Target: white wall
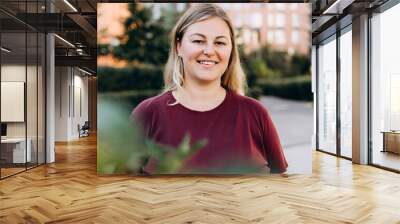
{"points": [[71, 94], [62, 81]]}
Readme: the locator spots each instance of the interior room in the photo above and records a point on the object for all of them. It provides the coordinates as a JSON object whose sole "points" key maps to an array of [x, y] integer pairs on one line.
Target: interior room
{"points": [[48, 104]]}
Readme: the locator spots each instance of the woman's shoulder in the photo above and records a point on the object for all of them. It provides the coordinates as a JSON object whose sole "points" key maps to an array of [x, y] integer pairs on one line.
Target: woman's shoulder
{"points": [[150, 104], [154, 100], [249, 103], [254, 110]]}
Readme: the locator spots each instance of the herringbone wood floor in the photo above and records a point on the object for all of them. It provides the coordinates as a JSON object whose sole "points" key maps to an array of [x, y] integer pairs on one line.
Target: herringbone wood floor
{"points": [[69, 191]]}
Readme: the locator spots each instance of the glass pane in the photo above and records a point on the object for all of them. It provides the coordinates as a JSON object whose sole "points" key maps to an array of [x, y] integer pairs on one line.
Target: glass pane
{"points": [[31, 97], [41, 98], [327, 96], [346, 94], [14, 152], [386, 89]]}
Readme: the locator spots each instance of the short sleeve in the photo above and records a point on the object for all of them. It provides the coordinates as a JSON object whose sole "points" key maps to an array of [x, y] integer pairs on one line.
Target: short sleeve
{"points": [[273, 151], [141, 117]]}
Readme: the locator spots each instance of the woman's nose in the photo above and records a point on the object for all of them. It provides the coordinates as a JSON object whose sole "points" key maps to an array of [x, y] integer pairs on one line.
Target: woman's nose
{"points": [[209, 50]]}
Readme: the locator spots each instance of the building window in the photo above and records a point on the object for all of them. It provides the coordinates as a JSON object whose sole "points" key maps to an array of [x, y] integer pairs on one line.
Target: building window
{"points": [[238, 21], [295, 20], [280, 20], [270, 36], [295, 37], [247, 36], [256, 20], [280, 37], [255, 37]]}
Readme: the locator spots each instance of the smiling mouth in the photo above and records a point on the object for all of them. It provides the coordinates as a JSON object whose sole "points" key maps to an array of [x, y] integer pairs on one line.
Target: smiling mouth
{"points": [[207, 62]]}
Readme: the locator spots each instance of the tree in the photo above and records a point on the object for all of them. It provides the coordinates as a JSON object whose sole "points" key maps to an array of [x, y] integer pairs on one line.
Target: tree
{"points": [[300, 65], [145, 40]]}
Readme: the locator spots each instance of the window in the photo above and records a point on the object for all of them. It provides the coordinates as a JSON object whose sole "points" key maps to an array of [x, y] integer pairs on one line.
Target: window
{"points": [[327, 95], [295, 21], [270, 36], [256, 20], [255, 37], [280, 20], [280, 37], [247, 36], [22, 74], [385, 88], [295, 37], [238, 21], [346, 94]]}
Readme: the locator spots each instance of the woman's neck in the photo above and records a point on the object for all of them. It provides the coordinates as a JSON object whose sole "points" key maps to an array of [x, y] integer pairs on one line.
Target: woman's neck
{"points": [[201, 98], [203, 93]]}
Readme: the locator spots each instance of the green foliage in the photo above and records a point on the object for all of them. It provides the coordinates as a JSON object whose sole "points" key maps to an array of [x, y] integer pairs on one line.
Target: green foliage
{"points": [[170, 160], [277, 73], [122, 147], [138, 77], [296, 88], [261, 70], [300, 64], [169, 17], [267, 63], [254, 92], [145, 40], [132, 97]]}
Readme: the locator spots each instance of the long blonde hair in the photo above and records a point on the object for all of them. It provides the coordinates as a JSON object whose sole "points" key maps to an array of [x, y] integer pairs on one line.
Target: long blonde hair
{"points": [[233, 78]]}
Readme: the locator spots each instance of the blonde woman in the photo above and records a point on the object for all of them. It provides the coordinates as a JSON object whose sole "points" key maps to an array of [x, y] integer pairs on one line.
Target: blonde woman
{"points": [[204, 96]]}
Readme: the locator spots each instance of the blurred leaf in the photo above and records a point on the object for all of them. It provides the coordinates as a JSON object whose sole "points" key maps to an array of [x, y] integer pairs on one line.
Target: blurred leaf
{"points": [[122, 147], [171, 160]]}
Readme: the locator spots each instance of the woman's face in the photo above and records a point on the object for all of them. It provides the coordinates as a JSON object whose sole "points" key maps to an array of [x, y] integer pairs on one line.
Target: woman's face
{"points": [[205, 50]]}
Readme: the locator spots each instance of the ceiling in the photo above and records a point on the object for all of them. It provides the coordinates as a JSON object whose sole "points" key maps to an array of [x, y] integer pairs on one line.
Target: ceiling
{"points": [[74, 21]]}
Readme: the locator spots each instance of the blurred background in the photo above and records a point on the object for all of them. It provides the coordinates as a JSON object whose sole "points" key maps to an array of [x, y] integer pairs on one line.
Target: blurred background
{"points": [[274, 43]]}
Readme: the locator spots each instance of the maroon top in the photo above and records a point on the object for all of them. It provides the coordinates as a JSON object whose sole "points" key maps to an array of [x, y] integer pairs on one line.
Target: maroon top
{"points": [[239, 131]]}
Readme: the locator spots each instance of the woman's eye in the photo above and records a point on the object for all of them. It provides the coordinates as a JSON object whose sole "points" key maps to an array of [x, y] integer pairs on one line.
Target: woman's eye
{"points": [[198, 41], [220, 43]]}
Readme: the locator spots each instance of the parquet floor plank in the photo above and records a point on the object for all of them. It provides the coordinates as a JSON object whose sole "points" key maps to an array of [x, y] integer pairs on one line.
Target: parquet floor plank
{"points": [[70, 191]]}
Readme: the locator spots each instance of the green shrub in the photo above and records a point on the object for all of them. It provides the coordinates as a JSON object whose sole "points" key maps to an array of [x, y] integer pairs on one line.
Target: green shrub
{"points": [[130, 97], [296, 88], [130, 78], [254, 92]]}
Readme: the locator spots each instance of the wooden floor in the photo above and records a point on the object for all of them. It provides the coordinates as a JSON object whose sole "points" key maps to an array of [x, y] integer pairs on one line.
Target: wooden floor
{"points": [[69, 191]]}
